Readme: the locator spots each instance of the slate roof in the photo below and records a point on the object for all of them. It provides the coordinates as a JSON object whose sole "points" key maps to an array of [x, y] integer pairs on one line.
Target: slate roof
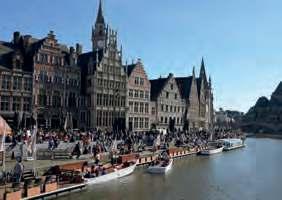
{"points": [[278, 90], [129, 68], [157, 86], [184, 86]]}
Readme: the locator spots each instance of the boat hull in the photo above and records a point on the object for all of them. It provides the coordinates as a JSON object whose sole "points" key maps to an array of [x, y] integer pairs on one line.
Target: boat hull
{"points": [[233, 147], [211, 151], [108, 177], [159, 169]]}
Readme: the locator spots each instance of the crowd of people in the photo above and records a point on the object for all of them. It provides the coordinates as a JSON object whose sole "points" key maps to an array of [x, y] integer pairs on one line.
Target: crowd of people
{"points": [[96, 141]]}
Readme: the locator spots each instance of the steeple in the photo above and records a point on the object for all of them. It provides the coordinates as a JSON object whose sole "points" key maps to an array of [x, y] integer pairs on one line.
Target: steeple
{"points": [[203, 71], [99, 34], [193, 72], [100, 17]]}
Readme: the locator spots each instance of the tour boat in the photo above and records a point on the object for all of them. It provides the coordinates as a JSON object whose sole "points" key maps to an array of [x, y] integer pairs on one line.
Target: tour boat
{"points": [[232, 143], [160, 168], [118, 172], [213, 148]]}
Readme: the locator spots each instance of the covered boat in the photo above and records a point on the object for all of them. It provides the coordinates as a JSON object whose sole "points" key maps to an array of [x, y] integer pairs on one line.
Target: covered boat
{"points": [[232, 143], [161, 168]]}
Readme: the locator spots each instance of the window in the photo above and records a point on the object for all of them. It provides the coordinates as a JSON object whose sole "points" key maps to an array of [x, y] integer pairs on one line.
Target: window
{"points": [[166, 108], [136, 81], [130, 93], [141, 94], [42, 97], [141, 107], [171, 86], [136, 93], [146, 122], [162, 119], [135, 122], [162, 107], [175, 96], [56, 99], [141, 81], [165, 120], [170, 108], [141, 123], [26, 103], [136, 107], [6, 82], [16, 103], [27, 84], [167, 95], [174, 108], [153, 110], [146, 108], [5, 103], [17, 83], [146, 95], [131, 106]]}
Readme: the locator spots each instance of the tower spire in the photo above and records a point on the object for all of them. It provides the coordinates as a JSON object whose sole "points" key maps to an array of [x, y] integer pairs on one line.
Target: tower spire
{"points": [[203, 71], [100, 17]]}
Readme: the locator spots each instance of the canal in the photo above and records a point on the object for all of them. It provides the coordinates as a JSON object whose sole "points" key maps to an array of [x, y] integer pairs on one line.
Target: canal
{"points": [[251, 173]]}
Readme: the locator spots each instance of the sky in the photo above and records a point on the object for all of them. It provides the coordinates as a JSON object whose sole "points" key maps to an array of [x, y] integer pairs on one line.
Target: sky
{"points": [[240, 40]]}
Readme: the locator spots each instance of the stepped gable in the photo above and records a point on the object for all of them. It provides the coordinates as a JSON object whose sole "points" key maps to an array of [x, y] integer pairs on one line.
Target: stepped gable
{"points": [[156, 87], [184, 85]]}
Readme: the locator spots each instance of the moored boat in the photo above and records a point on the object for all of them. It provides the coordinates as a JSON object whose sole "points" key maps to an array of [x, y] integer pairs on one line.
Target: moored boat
{"points": [[213, 148], [112, 173], [161, 168], [232, 143]]}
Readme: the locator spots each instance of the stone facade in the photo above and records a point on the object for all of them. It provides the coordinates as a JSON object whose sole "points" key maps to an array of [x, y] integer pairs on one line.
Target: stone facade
{"points": [[194, 106], [139, 87], [106, 80], [169, 107]]}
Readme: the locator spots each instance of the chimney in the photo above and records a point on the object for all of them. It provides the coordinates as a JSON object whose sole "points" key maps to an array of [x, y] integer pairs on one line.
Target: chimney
{"points": [[16, 37], [27, 40], [78, 49]]}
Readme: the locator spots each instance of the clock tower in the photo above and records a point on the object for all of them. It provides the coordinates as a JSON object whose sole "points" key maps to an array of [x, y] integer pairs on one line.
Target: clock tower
{"points": [[99, 31]]}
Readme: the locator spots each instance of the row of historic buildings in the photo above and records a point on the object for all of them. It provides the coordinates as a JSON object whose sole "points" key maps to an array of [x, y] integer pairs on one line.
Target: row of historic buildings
{"points": [[44, 80]]}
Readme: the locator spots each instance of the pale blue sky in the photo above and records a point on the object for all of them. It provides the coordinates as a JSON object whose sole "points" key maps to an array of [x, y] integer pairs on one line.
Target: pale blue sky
{"points": [[239, 39]]}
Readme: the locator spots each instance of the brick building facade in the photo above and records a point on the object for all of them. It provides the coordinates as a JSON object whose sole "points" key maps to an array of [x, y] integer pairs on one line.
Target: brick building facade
{"points": [[105, 78], [139, 87]]}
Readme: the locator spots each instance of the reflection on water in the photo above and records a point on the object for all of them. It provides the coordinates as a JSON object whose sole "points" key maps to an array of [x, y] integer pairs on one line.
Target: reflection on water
{"points": [[249, 173]]}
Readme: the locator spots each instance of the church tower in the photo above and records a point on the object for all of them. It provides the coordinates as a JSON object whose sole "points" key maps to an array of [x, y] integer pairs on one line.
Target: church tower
{"points": [[203, 75], [99, 35]]}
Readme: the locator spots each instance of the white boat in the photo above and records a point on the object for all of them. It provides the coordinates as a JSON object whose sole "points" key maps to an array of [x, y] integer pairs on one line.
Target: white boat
{"points": [[118, 173], [232, 143], [160, 169], [212, 150]]}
